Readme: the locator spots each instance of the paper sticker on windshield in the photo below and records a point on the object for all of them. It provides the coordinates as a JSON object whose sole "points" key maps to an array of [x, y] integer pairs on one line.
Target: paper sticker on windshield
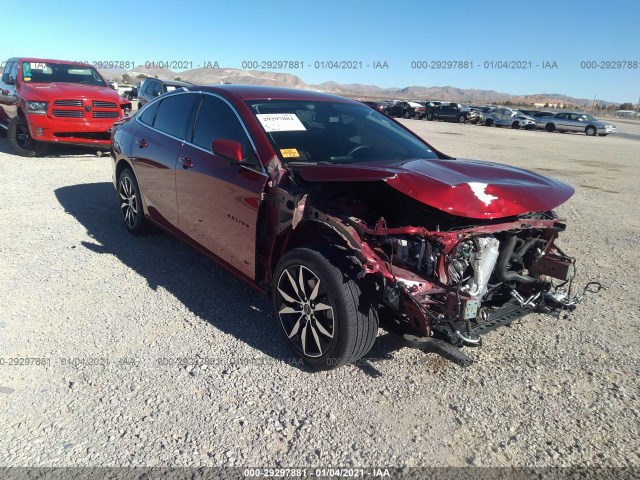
{"points": [[39, 66], [280, 122], [26, 70], [289, 153]]}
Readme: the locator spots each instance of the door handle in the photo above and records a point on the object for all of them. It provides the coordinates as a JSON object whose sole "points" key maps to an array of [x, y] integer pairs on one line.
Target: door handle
{"points": [[186, 162], [142, 143]]}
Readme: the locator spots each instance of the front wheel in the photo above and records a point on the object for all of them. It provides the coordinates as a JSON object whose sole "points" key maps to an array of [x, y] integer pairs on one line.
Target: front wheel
{"points": [[515, 125], [590, 131], [462, 119], [429, 116], [550, 127], [488, 122], [325, 314], [131, 203], [406, 115], [21, 140]]}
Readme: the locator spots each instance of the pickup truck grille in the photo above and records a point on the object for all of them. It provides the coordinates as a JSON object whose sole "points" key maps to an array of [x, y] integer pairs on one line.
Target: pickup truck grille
{"points": [[67, 113], [102, 104], [68, 103], [88, 110], [98, 114]]}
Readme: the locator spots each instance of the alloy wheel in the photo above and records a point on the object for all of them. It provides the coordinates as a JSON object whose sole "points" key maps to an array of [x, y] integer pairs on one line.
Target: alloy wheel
{"points": [[128, 201], [23, 137], [304, 310]]}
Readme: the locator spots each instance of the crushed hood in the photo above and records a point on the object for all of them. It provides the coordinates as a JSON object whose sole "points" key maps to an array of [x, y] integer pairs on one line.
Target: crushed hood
{"points": [[466, 188]]}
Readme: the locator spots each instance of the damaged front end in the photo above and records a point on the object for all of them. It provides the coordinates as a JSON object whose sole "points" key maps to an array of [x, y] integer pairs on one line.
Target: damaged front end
{"points": [[440, 276]]}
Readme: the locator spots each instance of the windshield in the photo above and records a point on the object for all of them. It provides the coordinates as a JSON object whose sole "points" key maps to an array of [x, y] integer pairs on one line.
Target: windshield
{"points": [[334, 132], [36, 72]]}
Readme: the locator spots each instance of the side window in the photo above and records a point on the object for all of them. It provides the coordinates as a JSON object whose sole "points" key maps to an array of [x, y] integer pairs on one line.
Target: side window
{"points": [[149, 115], [8, 71], [174, 114], [157, 89], [216, 120]]}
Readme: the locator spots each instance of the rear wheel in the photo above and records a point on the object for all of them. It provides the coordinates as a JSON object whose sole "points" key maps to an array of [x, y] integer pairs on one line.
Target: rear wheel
{"points": [[590, 131], [325, 314], [550, 127], [131, 203], [21, 140]]}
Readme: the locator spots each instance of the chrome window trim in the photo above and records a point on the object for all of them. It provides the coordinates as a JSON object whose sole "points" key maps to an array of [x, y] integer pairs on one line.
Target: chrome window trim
{"points": [[200, 92]]}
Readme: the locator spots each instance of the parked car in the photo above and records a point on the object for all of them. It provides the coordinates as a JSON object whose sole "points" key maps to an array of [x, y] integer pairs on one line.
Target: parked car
{"points": [[154, 87], [454, 112], [508, 117], [379, 106], [429, 107], [345, 217], [402, 109], [44, 101], [576, 122], [419, 110]]}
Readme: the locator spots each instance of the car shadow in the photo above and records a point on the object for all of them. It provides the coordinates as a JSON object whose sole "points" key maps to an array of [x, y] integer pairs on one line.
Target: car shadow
{"points": [[57, 151], [207, 290]]}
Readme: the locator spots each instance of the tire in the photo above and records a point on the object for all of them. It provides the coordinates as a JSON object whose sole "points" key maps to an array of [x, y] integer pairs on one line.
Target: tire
{"points": [[21, 140], [488, 122], [327, 317], [550, 127], [515, 125], [590, 131], [130, 202], [430, 116], [406, 115], [462, 119]]}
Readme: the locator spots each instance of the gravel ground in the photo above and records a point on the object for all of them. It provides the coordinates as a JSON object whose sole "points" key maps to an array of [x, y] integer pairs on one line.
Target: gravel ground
{"points": [[75, 285]]}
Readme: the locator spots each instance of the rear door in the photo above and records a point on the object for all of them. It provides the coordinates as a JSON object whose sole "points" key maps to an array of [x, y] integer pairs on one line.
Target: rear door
{"points": [[218, 201], [154, 153]]}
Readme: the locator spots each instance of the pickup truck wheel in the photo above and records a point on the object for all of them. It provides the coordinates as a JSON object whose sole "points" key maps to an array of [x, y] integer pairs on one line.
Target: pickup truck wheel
{"points": [[550, 127], [590, 131], [323, 311], [462, 119], [131, 203], [429, 116], [21, 140]]}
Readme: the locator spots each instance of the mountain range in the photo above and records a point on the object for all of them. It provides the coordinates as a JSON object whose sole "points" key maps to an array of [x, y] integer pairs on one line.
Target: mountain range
{"points": [[205, 76]]}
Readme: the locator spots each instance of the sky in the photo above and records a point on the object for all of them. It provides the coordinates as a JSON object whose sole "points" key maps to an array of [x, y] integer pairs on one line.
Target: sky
{"points": [[487, 34]]}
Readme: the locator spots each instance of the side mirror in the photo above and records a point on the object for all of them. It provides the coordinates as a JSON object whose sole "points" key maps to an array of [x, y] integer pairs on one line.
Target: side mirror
{"points": [[230, 150]]}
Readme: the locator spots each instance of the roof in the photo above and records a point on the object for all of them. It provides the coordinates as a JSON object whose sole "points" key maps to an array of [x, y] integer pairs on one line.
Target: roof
{"points": [[259, 92]]}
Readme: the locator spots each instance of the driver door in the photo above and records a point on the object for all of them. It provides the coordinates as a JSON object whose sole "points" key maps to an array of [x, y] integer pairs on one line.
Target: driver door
{"points": [[218, 199]]}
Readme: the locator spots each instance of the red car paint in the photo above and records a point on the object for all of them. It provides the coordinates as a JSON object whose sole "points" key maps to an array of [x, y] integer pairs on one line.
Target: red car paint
{"points": [[246, 218], [446, 184], [53, 127]]}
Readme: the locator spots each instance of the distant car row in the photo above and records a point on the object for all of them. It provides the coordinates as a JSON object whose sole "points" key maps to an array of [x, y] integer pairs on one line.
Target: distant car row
{"points": [[498, 116]]}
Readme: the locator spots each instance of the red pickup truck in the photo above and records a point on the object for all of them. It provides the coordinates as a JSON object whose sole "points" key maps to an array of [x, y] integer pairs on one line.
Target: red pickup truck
{"points": [[46, 101]]}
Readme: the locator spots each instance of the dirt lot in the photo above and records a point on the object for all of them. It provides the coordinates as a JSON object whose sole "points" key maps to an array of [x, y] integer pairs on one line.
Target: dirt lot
{"points": [[111, 316]]}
